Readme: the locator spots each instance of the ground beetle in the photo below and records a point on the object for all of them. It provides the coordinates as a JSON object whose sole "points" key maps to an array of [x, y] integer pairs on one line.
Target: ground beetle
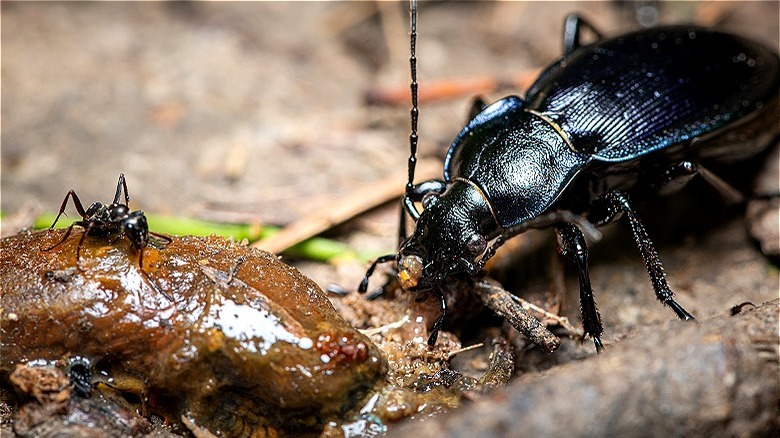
{"points": [[648, 109]]}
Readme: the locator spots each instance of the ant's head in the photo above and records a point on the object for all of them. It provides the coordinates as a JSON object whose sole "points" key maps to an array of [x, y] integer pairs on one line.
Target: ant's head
{"points": [[136, 229], [450, 237]]}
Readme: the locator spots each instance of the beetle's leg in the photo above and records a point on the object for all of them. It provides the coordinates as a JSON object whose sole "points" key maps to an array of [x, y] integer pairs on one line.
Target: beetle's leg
{"points": [[552, 218], [545, 220], [490, 252], [477, 106], [468, 266], [384, 259], [437, 325], [612, 205], [416, 193], [677, 176], [402, 222], [573, 247], [76, 202], [572, 32]]}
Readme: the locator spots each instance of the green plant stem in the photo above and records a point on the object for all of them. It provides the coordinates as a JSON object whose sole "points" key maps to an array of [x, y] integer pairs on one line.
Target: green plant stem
{"points": [[315, 248]]}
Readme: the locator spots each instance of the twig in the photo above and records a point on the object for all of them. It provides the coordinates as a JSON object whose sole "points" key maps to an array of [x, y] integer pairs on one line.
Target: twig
{"points": [[366, 198], [197, 431], [557, 319], [464, 349], [386, 327]]}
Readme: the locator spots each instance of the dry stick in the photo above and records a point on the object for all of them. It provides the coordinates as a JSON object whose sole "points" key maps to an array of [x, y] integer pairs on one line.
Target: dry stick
{"points": [[367, 197]]}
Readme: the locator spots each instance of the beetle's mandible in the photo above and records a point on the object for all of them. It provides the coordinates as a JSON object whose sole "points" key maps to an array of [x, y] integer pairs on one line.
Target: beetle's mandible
{"points": [[644, 110]]}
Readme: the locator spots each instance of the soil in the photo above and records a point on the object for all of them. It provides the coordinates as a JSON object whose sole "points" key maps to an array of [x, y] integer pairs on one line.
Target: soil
{"points": [[256, 113]]}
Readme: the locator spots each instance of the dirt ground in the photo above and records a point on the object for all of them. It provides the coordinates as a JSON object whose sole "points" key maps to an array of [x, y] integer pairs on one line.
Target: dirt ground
{"points": [[255, 112]]}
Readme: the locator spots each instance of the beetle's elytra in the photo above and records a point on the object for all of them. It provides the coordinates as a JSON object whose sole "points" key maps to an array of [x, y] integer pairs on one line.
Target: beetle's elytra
{"points": [[648, 109]]}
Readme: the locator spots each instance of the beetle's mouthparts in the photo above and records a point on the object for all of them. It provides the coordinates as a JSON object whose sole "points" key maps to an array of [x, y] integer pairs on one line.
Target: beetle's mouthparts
{"points": [[409, 271]]}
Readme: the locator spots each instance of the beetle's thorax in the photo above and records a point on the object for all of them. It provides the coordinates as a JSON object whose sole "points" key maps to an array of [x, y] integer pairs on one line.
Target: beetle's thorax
{"points": [[447, 236], [520, 158]]}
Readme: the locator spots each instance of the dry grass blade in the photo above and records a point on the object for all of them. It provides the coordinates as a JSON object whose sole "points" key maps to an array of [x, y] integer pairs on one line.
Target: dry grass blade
{"points": [[364, 199]]}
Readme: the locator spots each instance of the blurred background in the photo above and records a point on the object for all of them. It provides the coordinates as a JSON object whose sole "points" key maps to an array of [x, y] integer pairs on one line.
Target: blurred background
{"points": [[256, 112]]}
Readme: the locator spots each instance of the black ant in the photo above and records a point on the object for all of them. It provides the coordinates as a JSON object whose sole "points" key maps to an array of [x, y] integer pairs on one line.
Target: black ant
{"points": [[103, 219]]}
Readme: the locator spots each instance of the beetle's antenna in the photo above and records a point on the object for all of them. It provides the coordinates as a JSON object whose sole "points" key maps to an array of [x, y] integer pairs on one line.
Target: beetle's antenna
{"points": [[413, 87]]}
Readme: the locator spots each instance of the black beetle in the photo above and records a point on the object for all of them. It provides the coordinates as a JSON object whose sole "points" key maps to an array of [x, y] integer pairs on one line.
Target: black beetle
{"points": [[648, 109], [103, 219]]}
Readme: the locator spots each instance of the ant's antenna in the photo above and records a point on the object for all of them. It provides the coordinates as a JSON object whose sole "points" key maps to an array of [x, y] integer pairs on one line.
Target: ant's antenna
{"points": [[413, 86]]}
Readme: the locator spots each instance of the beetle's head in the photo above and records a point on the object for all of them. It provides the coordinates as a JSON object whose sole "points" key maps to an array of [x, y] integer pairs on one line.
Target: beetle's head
{"points": [[450, 237]]}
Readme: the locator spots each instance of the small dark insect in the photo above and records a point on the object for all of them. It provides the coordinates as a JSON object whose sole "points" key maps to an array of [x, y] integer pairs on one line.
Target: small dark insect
{"points": [[105, 219], [641, 112], [80, 377]]}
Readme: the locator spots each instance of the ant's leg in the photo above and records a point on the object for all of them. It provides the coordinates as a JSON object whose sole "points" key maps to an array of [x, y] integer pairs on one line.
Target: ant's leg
{"points": [[65, 237], [439, 321], [163, 237], [121, 184], [116, 239], [572, 32], [87, 229], [76, 202], [613, 204], [149, 279], [572, 246]]}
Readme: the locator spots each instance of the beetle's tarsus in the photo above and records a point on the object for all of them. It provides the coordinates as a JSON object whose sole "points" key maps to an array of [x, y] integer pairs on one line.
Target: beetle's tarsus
{"points": [[599, 345], [616, 203], [678, 309]]}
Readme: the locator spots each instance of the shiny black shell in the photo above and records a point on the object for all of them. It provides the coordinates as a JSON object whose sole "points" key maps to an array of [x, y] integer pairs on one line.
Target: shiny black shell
{"points": [[614, 101]]}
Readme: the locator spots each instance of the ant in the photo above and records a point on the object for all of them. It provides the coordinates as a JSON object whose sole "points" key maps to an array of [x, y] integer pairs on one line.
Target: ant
{"points": [[103, 219]]}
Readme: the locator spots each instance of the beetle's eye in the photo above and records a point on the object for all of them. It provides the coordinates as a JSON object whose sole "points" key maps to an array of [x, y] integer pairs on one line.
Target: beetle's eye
{"points": [[476, 244], [429, 199]]}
